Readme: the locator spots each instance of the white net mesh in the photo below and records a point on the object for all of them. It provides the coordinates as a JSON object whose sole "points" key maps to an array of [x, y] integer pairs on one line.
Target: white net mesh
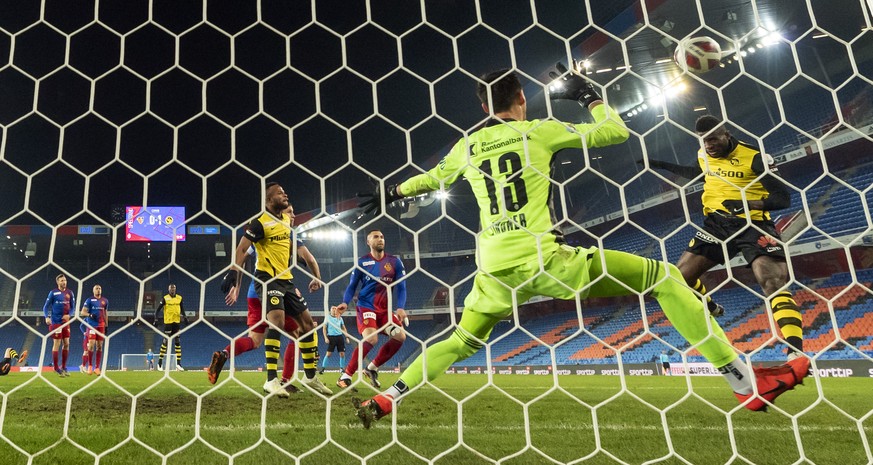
{"points": [[194, 106]]}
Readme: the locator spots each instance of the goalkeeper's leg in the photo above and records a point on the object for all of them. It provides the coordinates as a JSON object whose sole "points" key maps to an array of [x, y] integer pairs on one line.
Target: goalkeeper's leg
{"points": [[438, 358], [471, 334], [690, 318]]}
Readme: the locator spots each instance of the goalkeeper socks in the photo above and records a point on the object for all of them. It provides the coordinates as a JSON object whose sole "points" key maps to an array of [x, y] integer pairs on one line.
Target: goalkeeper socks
{"points": [[352, 367], [240, 346], [308, 348], [289, 365], [788, 317], [271, 350], [386, 352], [396, 389], [738, 376]]}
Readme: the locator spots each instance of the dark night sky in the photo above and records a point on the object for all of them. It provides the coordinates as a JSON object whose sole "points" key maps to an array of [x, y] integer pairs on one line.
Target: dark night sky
{"points": [[197, 110]]}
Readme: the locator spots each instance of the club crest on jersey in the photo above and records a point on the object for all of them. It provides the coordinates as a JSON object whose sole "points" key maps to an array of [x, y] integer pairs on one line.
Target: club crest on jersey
{"points": [[388, 267], [274, 300]]}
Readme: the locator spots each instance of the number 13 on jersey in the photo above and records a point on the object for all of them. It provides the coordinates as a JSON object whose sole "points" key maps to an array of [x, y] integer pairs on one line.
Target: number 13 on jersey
{"points": [[514, 190]]}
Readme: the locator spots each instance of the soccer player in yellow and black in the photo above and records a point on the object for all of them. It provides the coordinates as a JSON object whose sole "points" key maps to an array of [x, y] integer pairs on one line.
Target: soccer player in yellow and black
{"points": [[271, 236], [174, 313], [8, 357], [734, 170], [520, 251]]}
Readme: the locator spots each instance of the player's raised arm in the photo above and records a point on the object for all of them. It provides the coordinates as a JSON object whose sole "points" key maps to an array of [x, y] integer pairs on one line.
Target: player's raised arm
{"points": [[608, 127], [447, 171]]}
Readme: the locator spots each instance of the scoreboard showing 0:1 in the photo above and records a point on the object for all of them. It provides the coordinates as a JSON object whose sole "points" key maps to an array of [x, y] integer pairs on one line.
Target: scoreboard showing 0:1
{"points": [[154, 224]]}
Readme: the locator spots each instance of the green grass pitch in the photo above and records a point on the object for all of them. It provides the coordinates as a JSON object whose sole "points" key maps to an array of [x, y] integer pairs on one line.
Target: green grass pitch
{"points": [[671, 420]]}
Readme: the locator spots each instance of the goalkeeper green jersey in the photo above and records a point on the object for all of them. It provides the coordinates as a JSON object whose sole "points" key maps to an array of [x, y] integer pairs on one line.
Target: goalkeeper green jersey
{"points": [[508, 165]]}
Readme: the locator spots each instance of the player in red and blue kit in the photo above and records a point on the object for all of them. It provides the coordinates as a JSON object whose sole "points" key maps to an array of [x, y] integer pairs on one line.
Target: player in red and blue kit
{"points": [[94, 312], [375, 271], [56, 310]]}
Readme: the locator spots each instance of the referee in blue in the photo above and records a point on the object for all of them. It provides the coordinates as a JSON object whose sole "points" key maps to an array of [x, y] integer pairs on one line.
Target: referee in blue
{"points": [[335, 334], [665, 363]]}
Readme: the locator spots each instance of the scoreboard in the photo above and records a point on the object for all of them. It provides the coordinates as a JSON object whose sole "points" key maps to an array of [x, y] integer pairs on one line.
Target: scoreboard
{"points": [[154, 224]]}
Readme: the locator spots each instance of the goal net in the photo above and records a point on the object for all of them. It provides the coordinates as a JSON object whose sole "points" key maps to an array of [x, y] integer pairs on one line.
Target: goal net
{"points": [[139, 362], [137, 139]]}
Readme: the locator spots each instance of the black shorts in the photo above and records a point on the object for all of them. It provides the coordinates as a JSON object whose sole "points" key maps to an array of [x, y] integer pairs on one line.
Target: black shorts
{"points": [[336, 343], [666, 365], [752, 242], [171, 328], [281, 294]]}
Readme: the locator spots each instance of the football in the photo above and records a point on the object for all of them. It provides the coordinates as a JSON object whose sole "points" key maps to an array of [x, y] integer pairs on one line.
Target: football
{"points": [[697, 54]]}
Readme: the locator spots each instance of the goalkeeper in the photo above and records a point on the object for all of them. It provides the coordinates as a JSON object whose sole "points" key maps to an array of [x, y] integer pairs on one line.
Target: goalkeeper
{"points": [[732, 170], [521, 253]]}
